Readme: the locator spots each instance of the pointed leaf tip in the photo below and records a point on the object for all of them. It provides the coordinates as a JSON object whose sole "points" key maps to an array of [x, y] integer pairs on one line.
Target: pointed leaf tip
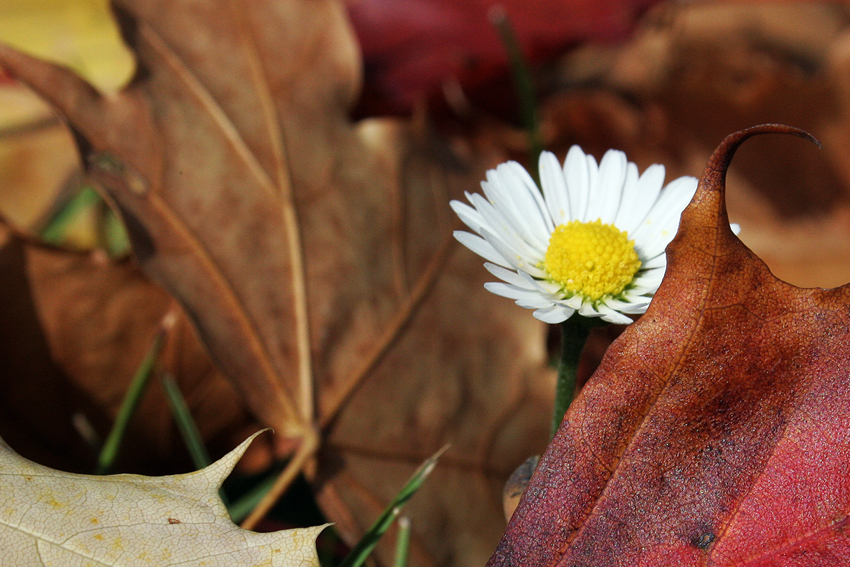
{"points": [[221, 469], [708, 206], [714, 176]]}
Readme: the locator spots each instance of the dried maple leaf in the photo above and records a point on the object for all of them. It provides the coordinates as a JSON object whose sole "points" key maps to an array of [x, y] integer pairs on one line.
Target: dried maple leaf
{"points": [[315, 257], [715, 430], [51, 517]]}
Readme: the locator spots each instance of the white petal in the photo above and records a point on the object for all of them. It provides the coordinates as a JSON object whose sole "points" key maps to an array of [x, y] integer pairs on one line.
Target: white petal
{"points": [[514, 259], [543, 286], [639, 198], [627, 306], [534, 303], [649, 274], [470, 217], [605, 200], [481, 247], [504, 231], [553, 314], [509, 276], [658, 261], [513, 292], [554, 188], [514, 194], [612, 316], [593, 180], [654, 246], [535, 193], [637, 298], [662, 222], [588, 310], [577, 176]]}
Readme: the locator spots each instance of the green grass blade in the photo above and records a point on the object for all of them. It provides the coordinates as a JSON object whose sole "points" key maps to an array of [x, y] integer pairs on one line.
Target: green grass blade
{"points": [[523, 85], [243, 506], [131, 400], [368, 542], [56, 228], [114, 234], [185, 423], [402, 543]]}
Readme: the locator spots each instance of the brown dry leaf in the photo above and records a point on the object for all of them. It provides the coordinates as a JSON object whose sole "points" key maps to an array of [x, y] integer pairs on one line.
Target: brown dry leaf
{"points": [[75, 327], [315, 257], [50, 517]]}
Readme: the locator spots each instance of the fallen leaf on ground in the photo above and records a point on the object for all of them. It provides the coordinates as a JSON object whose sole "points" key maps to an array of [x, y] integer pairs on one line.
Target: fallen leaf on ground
{"points": [[49, 517], [714, 431], [76, 327]]}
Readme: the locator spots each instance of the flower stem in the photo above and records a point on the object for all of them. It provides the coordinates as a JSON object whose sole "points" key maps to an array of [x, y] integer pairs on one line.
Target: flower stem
{"points": [[574, 333]]}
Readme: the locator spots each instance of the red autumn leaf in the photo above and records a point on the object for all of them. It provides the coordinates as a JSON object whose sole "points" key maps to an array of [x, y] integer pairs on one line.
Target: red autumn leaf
{"points": [[715, 432], [411, 49]]}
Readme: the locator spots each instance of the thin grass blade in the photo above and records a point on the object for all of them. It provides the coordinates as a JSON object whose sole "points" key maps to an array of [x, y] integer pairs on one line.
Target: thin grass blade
{"points": [[368, 542]]}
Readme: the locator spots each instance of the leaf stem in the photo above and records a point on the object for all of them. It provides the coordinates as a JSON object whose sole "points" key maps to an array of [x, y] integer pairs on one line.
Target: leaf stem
{"points": [[306, 450], [574, 333]]}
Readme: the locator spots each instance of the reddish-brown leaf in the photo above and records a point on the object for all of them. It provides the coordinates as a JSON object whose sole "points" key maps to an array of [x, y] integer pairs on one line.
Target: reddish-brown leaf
{"points": [[412, 48], [715, 431]]}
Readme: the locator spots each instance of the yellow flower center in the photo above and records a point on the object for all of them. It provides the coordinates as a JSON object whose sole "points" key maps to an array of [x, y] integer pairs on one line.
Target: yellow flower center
{"points": [[591, 259]]}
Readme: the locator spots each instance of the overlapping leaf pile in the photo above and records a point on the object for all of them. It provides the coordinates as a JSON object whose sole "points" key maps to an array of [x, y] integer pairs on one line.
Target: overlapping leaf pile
{"points": [[314, 257]]}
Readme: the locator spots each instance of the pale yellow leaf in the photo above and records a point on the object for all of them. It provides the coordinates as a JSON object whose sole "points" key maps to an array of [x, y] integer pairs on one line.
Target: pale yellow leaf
{"points": [[80, 34], [53, 518]]}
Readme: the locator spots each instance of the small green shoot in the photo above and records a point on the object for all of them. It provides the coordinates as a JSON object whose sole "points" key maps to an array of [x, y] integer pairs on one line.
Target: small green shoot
{"points": [[368, 542], [131, 400], [57, 227], [240, 509], [110, 230], [185, 422], [522, 84], [113, 233]]}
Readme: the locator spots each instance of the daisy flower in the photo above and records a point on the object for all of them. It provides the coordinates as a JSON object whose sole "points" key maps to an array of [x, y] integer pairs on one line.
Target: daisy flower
{"points": [[593, 242]]}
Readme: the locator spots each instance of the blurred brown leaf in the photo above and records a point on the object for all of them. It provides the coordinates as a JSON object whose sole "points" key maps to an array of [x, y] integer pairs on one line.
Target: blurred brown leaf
{"points": [[696, 71], [315, 257], [75, 327]]}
